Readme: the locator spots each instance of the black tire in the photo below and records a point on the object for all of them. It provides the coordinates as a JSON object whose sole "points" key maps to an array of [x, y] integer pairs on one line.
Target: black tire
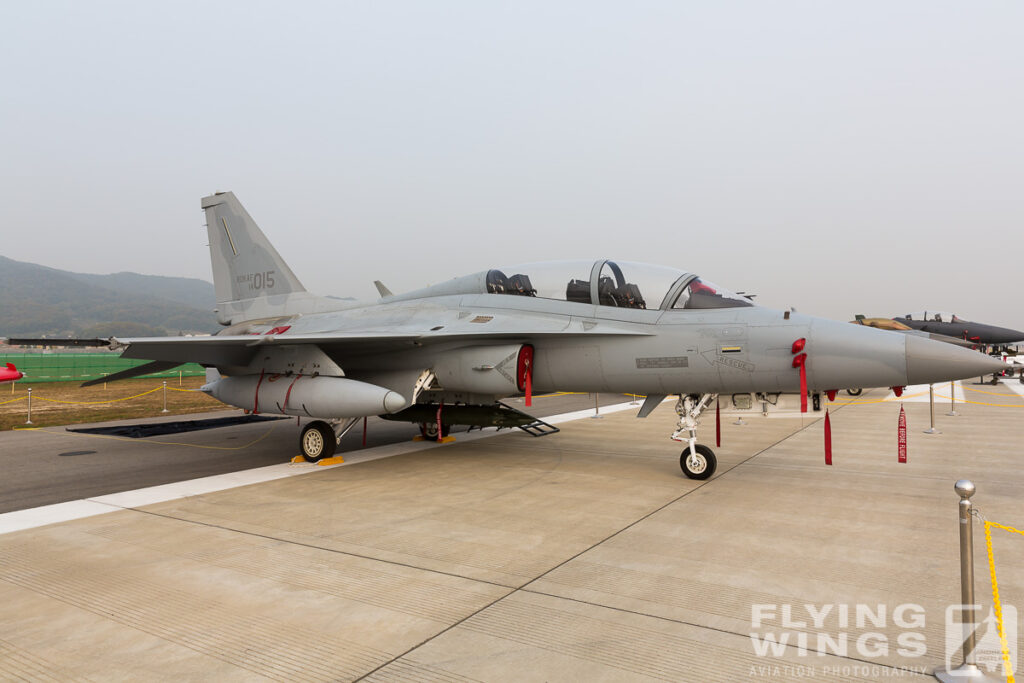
{"points": [[317, 441], [429, 430], [855, 392], [706, 466]]}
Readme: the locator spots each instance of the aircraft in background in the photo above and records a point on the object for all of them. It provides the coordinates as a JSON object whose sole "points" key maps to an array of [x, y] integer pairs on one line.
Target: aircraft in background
{"points": [[448, 353], [938, 322], [897, 326], [10, 374]]}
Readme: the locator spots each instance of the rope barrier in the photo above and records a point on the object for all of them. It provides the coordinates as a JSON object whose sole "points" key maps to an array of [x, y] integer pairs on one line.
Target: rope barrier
{"points": [[996, 604], [96, 403], [13, 400]]}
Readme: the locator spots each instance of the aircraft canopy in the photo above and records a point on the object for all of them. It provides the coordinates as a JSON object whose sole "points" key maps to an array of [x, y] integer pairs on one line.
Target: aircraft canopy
{"points": [[932, 316], [612, 283]]}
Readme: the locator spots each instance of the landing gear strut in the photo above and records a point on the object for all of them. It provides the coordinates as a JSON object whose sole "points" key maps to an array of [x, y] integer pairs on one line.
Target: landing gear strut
{"points": [[319, 439], [697, 461]]}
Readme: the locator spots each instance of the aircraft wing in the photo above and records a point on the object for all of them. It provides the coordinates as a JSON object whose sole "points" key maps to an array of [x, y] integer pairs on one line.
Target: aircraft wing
{"points": [[240, 349]]}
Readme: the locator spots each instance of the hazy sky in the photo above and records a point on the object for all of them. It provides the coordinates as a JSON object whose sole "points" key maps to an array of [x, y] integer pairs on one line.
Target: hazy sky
{"points": [[836, 157]]}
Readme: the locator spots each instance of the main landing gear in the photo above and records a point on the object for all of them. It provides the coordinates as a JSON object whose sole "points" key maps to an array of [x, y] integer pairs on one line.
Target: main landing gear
{"points": [[319, 439], [697, 460], [429, 431]]}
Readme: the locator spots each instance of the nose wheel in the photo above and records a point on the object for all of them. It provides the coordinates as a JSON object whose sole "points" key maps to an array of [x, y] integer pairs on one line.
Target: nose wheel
{"points": [[700, 464], [697, 460]]}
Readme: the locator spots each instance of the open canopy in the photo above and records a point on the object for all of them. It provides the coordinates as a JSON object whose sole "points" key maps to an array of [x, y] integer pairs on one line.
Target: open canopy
{"points": [[612, 283], [932, 316]]}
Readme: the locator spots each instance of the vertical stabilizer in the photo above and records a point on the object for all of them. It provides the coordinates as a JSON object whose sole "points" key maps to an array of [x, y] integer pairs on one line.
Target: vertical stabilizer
{"points": [[250, 278]]}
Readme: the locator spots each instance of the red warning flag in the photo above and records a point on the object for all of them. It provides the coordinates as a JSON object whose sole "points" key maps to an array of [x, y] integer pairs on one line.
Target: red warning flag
{"points": [[524, 372], [828, 439], [718, 424], [901, 436], [801, 362]]}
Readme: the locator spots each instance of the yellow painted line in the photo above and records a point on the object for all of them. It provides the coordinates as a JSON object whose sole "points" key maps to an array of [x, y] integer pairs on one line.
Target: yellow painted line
{"points": [[982, 391]]}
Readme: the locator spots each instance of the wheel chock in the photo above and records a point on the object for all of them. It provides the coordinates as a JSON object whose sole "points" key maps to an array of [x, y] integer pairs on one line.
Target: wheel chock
{"points": [[336, 460], [298, 458], [443, 439]]}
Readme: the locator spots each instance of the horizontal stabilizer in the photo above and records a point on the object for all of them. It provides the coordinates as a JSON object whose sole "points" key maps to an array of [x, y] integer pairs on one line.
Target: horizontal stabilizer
{"points": [[137, 371]]}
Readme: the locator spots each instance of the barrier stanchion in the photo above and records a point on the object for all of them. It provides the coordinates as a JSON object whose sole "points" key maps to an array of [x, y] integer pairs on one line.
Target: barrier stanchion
{"points": [[931, 410], [165, 398], [952, 399], [597, 409], [968, 670], [28, 420]]}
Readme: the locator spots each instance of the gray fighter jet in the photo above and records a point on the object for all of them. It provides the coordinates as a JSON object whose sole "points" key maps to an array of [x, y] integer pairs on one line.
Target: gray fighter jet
{"points": [[938, 322], [446, 354]]}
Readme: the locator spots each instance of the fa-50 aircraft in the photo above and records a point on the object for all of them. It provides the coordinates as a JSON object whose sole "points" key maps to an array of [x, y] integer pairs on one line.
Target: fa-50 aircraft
{"points": [[446, 354]]}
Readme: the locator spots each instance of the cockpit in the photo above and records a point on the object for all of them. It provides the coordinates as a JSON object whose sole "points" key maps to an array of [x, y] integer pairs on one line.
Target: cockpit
{"points": [[932, 317], [613, 283]]}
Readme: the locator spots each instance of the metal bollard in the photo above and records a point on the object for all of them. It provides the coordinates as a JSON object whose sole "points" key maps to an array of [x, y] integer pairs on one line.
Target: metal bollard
{"points": [[165, 398], [597, 409], [931, 408], [968, 671], [952, 400], [28, 420]]}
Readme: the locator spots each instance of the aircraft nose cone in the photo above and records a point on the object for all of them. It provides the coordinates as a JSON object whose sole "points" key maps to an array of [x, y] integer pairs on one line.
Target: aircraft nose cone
{"points": [[930, 361], [394, 402]]}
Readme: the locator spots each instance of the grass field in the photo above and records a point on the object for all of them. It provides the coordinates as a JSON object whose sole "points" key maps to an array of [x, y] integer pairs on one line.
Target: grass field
{"points": [[61, 403]]}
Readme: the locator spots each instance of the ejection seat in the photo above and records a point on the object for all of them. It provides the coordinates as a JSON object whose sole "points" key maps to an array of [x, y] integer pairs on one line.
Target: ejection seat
{"points": [[578, 291], [520, 284], [629, 296]]}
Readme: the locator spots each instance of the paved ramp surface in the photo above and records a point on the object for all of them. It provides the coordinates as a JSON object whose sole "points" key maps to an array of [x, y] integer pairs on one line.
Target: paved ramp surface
{"points": [[581, 556]]}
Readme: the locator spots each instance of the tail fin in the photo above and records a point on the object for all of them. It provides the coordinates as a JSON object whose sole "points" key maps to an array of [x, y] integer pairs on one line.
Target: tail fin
{"points": [[250, 278]]}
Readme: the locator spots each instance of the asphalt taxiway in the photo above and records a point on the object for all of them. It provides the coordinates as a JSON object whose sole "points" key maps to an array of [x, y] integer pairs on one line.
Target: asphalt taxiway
{"points": [[53, 465], [585, 555]]}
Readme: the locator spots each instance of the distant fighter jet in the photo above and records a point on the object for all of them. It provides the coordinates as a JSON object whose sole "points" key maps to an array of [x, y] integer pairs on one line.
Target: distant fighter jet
{"points": [[948, 324], [446, 354], [897, 326], [10, 374]]}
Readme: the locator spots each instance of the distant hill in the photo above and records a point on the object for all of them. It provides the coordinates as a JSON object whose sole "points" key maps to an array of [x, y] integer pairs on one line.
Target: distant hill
{"points": [[36, 300]]}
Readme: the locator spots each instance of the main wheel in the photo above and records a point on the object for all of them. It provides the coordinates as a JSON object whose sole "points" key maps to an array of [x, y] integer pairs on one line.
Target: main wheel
{"points": [[701, 466], [429, 430], [854, 392], [317, 441]]}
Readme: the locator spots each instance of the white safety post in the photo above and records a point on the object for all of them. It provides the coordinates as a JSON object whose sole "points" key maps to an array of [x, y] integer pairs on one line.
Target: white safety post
{"points": [[28, 420], [165, 398], [952, 399], [931, 410], [597, 409]]}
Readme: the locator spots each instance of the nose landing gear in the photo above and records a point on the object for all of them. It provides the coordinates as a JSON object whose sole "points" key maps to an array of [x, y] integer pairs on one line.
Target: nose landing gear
{"points": [[697, 460]]}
